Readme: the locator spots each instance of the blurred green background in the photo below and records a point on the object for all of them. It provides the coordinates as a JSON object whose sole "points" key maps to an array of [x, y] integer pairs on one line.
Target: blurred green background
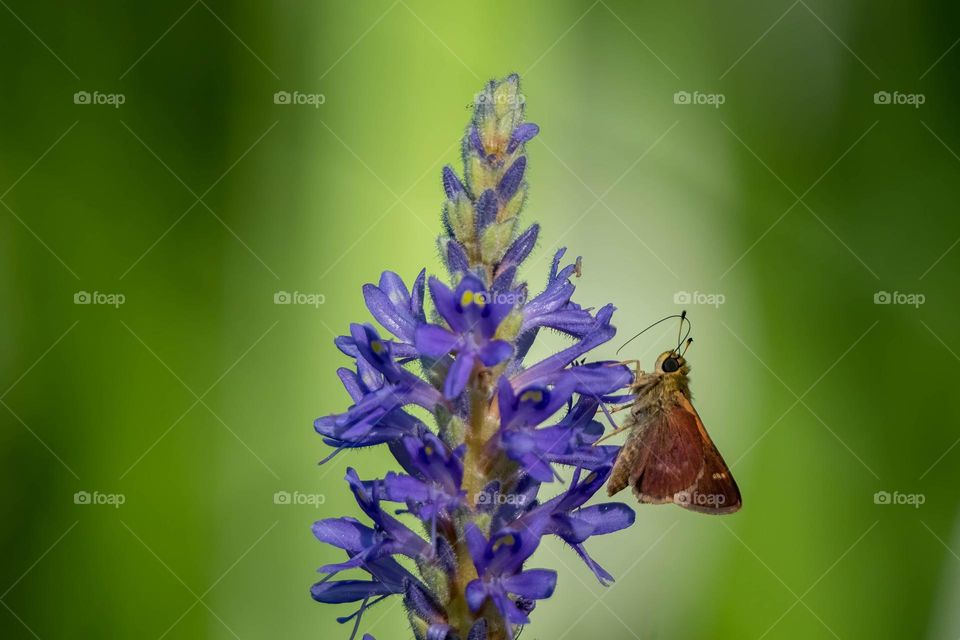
{"points": [[775, 218]]}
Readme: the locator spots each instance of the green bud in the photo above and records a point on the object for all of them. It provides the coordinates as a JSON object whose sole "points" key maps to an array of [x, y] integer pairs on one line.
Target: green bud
{"points": [[512, 209], [459, 213], [509, 329], [496, 239]]}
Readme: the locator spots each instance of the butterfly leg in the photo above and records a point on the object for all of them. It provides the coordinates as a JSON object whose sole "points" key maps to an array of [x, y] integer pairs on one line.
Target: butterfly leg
{"points": [[626, 427], [636, 367]]}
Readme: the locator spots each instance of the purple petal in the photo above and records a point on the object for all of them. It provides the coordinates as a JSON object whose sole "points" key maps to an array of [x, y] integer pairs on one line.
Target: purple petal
{"points": [[451, 183], [345, 533], [556, 264], [435, 342], [347, 345], [521, 247], [340, 591], [608, 517], [509, 548], [387, 312], [602, 332], [351, 382], [495, 352], [522, 134], [374, 350], [393, 286], [538, 468], [457, 261], [476, 594], [486, 206], [510, 609], [416, 296], [601, 378], [602, 574], [401, 488], [571, 529], [535, 584], [475, 142], [444, 303], [459, 374], [477, 546], [421, 602], [512, 178], [504, 280]]}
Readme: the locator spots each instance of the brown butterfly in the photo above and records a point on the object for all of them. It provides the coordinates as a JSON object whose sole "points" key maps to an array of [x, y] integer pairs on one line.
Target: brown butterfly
{"points": [[668, 456]]}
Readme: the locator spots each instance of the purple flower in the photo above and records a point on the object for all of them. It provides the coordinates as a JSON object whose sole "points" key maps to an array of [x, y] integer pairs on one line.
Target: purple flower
{"points": [[569, 520], [379, 388], [364, 544], [570, 441], [522, 134], [433, 488], [520, 413], [607, 374], [499, 563], [553, 307], [473, 318], [468, 489], [399, 311]]}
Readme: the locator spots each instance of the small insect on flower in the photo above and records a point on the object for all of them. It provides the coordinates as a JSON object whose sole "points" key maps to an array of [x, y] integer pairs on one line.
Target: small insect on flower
{"points": [[668, 456]]}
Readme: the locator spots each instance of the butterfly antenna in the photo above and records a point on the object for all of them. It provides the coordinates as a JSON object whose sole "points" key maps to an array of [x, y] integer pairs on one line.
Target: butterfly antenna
{"points": [[687, 347], [683, 316], [686, 336], [650, 327]]}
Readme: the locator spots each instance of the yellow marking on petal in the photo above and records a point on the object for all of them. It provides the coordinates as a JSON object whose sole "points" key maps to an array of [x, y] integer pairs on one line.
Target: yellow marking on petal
{"points": [[477, 298], [377, 347], [532, 395], [507, 540]]}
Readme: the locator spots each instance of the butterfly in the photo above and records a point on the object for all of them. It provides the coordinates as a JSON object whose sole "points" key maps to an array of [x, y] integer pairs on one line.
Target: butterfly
{"points": [[668, 456]]}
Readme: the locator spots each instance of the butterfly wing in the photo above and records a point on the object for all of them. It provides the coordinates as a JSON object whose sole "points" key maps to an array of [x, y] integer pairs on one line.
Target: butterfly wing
{"points": [[671, 459], [660, 459], [714, 490]]}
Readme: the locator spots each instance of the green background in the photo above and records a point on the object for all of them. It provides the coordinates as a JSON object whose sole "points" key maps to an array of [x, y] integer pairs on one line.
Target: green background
{"points": [[797, 200]]}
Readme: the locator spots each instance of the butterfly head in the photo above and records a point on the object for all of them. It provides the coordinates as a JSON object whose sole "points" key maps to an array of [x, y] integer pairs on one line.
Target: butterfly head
{"points": [[671, 363]]}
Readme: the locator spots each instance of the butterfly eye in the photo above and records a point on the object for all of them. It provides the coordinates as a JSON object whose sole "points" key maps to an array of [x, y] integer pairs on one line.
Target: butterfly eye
{"points": [[670, 365]]}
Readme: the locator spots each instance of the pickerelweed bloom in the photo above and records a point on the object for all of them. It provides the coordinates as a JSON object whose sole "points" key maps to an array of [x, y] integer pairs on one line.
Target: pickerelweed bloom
{"points": [[451, 532]]}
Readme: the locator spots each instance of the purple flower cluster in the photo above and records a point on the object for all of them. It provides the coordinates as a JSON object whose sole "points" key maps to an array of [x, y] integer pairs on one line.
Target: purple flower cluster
{"points": [[470, 486]]}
